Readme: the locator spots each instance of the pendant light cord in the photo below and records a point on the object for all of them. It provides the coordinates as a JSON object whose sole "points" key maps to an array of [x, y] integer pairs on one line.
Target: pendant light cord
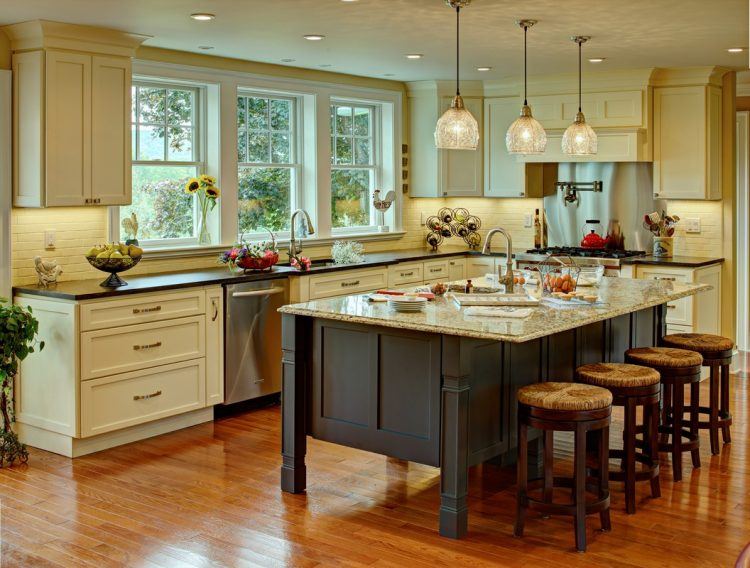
{"points": [[525, 31], [458, 42], [580, 43]]}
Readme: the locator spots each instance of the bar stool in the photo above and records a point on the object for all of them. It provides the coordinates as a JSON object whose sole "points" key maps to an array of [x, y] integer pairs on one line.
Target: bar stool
{"points": [[632, 386], [677, 367], [717, 354], [568, 407]]}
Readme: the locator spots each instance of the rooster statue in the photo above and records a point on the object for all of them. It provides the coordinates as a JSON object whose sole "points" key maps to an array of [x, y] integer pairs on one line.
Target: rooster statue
{"points": [[382, 205], [47, 270], [130, 227]]}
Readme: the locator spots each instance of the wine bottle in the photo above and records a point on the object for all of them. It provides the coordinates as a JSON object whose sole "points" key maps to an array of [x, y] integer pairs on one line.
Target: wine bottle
{"points": [[537, 230]]}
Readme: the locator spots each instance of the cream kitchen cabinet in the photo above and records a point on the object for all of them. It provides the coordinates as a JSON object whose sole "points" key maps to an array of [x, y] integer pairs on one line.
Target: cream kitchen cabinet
{"points": [[700, 313], [71, 115], [456, 269], [688, 142], [124, 369]]}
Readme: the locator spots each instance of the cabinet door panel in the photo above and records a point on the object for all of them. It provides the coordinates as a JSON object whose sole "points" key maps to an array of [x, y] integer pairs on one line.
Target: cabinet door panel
{"points": [[504, 174], [110, 127], [461, 170], [68, 141]]}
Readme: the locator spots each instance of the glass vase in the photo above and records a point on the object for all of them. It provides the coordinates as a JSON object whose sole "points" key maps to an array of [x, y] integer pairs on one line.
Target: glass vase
{"points": [[204, 236]]}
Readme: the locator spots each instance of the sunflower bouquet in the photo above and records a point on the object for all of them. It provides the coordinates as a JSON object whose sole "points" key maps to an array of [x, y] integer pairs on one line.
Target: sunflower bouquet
{"points": [[204, 187]]}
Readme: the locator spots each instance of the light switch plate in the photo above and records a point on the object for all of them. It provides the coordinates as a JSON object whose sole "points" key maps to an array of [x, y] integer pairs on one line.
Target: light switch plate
{"points": [[50, 238], [528, 221], [692, 224]]}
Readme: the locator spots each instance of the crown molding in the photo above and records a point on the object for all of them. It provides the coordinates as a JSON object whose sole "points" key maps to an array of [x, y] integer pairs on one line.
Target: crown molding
{"points": [[445, 88], [45, 34], [684, 76]]}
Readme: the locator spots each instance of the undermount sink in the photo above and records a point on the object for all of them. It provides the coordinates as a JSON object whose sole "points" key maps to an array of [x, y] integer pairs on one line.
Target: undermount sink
{"points": [[319, 263]]}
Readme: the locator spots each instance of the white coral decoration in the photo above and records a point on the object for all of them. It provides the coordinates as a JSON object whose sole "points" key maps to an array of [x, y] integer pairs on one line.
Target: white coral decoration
{"points": [[347, 252], [47, 270]]}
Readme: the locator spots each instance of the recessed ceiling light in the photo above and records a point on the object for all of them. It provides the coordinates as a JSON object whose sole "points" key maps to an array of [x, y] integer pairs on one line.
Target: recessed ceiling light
{"points": [[202, 16], [288, 60], [736, 49], [484, 68], [325, 65], [205, 47], [388, 74], [314, 37], [414, 56], [350, 1], [596, 59]]}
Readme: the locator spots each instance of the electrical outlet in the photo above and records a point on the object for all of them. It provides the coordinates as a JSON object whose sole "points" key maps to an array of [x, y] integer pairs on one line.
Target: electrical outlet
{"points": [[692, 224], [50, 237], [528, 221]]}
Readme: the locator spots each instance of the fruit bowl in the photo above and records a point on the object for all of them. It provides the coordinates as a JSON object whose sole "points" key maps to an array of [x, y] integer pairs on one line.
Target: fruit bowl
{"points": [[113, 266], [258, 263], [559, 275]]}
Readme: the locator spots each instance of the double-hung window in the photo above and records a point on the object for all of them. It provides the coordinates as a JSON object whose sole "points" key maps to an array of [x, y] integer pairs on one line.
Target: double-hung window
{"points": [[268, 163], [167, 151], [355, 159]]}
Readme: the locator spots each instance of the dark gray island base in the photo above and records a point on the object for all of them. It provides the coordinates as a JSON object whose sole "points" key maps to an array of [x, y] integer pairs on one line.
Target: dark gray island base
{"points": [[433, 398]]}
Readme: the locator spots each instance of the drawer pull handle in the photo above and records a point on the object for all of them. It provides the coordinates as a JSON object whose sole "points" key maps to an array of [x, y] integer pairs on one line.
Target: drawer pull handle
{"points": [[146, 310], [148, 346], [670, 307], [436, 269], [403, 274], [215, 304], [350, 284], [146, 396], [665, 278]]}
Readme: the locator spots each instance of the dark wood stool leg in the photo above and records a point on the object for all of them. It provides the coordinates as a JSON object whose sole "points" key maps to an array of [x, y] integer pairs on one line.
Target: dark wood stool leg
{"points": [[522, 477], [713, 406], [604, 476], [653, 433], [694, 417], [629, 440], [549, 458], [725, 413], [666, 409], [678, 404], [579, 481]]}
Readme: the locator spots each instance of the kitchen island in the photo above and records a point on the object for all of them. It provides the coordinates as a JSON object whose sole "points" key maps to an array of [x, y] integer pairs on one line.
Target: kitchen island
{"points": [[438, 387]]}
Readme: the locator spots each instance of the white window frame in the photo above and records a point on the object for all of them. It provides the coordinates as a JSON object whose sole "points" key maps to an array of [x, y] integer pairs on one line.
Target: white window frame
{"points": [[297, 165], [376, 159]]}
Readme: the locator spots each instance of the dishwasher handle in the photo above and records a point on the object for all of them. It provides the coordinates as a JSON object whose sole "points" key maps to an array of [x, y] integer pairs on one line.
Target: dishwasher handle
{"points": [[265, 292]]}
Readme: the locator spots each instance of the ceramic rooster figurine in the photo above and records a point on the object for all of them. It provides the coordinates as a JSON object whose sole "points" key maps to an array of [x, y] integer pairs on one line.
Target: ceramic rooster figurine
{"points": [[382, 205], [47, 270]]}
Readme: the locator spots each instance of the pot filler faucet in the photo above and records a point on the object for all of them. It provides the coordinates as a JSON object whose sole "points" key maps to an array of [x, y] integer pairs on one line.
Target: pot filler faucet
{"points": [[507, 279], [295, 246]]}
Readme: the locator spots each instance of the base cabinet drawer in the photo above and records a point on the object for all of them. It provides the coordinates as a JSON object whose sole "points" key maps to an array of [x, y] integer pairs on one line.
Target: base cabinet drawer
{"points": [[141, 308], [120, 350], [349, 282], [437, 269], [405, 274], [125, 400], [679, 312]]}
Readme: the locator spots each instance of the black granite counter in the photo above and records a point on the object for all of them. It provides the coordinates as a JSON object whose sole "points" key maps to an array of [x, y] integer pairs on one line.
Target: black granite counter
{"points": [[90, 289], [676, 261]]}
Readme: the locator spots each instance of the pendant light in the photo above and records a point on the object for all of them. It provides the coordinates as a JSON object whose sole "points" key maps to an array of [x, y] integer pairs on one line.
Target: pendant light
{"points": [[525, 135], [579, 139], [457, 129]]}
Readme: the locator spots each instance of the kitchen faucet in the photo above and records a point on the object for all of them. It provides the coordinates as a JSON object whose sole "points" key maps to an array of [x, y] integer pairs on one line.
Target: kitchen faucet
{"points": [[507, 279], [294, 247]]}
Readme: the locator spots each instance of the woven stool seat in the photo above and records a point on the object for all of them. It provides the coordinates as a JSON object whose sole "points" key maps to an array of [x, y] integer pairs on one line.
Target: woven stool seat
{"points": [[565, 396], [664, 357], [704, 343], [617, 375]]}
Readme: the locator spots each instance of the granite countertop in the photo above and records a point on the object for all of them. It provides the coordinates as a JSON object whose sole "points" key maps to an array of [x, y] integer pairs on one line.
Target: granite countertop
{"points": [[677, 261], [76, 290], [621, 296]]}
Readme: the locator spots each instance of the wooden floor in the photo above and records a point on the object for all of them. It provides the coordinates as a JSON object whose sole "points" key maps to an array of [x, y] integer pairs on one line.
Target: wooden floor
{"points": [[209, 496]]}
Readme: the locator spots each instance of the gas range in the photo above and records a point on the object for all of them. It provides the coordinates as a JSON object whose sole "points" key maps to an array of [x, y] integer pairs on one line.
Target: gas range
{"points": [[610, 259]]}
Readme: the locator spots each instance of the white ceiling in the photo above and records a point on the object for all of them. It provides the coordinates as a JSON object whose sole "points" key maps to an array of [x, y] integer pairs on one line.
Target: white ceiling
{"points": [[371, 37]]}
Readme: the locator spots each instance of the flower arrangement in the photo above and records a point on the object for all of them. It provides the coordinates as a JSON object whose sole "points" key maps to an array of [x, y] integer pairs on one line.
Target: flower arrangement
{"points": [[347, 252], [260, 255], [661, 225], [204, 187], [301, 263]]}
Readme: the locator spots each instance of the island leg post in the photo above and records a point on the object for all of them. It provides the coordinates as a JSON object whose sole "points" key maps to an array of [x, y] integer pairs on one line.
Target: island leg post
{"points": [[454, 440], [295, 333]]}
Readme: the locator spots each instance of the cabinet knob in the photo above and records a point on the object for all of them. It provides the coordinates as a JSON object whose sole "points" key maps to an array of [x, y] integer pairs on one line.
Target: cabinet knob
{"points": [[521, 194], [656, 194]]}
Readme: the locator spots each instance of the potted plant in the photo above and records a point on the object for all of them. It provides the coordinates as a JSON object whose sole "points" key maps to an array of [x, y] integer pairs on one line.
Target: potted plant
{"points": [[18, 339]]}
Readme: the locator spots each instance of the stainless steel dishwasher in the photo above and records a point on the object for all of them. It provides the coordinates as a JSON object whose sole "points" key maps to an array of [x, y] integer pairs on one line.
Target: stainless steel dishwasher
{"points": [[252, 339]]}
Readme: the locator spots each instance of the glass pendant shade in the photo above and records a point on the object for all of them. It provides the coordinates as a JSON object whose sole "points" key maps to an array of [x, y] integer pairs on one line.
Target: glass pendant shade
{"points": [[526, 135], [457, 129], [579, 138]]}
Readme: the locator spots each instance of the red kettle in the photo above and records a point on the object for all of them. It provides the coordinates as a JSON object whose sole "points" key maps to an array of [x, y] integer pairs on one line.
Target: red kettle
{"points": [[591, 238]]}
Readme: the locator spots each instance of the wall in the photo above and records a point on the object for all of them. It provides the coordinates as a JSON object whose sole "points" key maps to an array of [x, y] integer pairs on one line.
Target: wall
{"points": [[709, 241]]}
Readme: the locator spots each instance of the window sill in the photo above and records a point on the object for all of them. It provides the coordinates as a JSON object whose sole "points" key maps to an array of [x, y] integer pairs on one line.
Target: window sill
{"points": [[195, 251]]}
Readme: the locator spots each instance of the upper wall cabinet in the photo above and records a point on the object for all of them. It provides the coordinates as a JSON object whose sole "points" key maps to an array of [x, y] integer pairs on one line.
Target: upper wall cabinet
{"points": [[688, 142], [441, 173], [71, 114]]}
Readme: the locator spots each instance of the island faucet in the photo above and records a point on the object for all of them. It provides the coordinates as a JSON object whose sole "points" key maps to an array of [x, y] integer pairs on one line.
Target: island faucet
{"points": [[295, 247], [507, 279]]}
